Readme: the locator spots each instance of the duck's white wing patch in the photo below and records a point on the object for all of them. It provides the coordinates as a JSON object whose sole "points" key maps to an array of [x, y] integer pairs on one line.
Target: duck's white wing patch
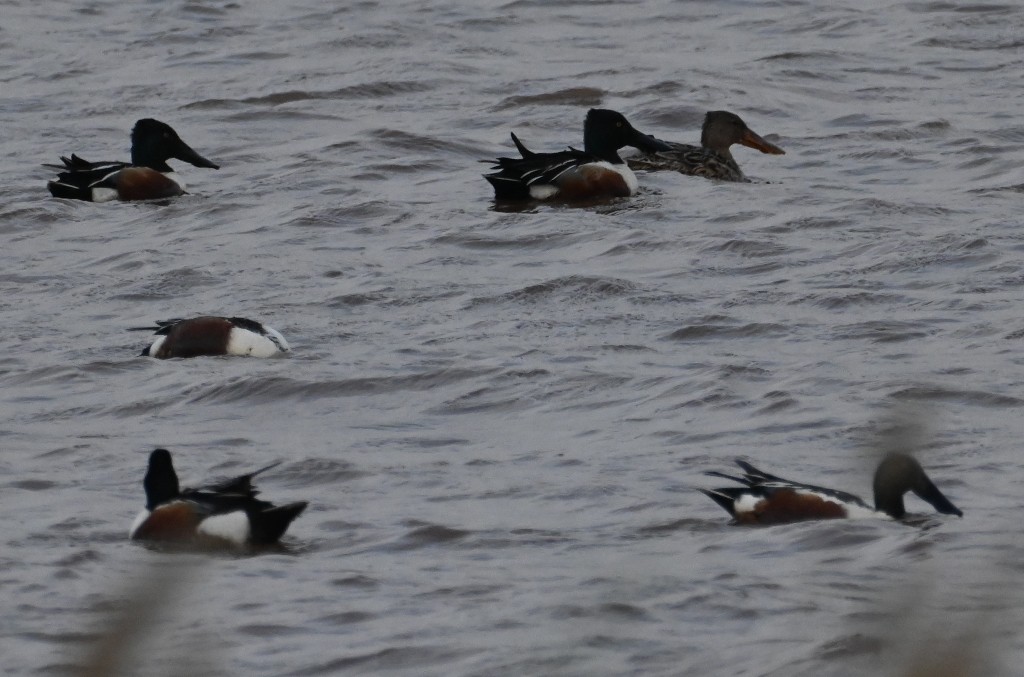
{"points": [[139, 519], [232, 527]]}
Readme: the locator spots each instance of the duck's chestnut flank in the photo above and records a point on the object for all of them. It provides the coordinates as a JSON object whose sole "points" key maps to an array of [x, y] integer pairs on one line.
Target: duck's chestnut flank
{"points": [[226, 512], [769, 499], [595, 172]]}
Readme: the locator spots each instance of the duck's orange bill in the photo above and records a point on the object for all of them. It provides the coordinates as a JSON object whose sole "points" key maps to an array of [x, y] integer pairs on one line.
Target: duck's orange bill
{"points": [[752, 140]]}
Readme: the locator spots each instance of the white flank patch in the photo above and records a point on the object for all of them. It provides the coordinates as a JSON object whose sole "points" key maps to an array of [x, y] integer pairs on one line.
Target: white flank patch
{"points": [[155, 346], [139, 519], [232, 526], [746, 503], [103, 194], [856, 512], [542, 192], [245, 342]]}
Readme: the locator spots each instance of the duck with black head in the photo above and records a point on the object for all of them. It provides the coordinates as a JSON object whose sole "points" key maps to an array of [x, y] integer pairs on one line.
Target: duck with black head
{"points": [[146, 177], [595, 172], [223, 513], [769, 499]]}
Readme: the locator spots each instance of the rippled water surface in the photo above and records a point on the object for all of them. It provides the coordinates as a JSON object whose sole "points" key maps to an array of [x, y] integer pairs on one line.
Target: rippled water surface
{"points": [[499, 416]]}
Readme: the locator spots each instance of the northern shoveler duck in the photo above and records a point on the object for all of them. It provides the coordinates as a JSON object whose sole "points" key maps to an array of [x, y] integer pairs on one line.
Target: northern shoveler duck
{"points": [[712, 159], [146, 177], [224, 513], [767, 499], [597, 171], [201, 336]]}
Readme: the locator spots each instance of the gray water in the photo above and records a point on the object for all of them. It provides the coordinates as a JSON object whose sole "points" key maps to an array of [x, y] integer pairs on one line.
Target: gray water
{"points": [[500, 416]]}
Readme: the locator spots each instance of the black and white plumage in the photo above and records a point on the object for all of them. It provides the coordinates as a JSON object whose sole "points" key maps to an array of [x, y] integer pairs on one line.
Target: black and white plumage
{"points": [[769, 499], [146, 177], [595, 172], [211, 335], [225, 512]]}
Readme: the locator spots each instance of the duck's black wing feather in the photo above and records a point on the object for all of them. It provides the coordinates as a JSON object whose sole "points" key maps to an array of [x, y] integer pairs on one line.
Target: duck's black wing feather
{"points": [[760, 479], [77, 164], [239, 486], [252, 325], [270, 523], [162, 328], [515, 175], [87, 177]]}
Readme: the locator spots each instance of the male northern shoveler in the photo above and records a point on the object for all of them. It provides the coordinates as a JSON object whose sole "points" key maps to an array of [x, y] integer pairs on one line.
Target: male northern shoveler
{"points": [[595, 172], [712, 159], [146, 177], [767, 499], [224, 513], [201, 336]]}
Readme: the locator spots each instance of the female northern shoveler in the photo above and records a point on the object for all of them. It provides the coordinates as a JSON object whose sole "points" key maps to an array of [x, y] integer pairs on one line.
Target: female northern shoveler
{"points": [[146, 177], [767, 499], [595, 172], [712, 159], [224, 513], [213, 336]]}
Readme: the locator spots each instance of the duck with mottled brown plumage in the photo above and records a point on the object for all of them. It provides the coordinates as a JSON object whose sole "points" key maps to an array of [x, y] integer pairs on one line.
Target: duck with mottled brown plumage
{"points": [[712, 159]]}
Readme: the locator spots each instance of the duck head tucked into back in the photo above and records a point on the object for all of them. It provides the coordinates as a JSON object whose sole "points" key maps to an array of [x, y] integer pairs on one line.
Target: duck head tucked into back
{"points": [[211, 335]]}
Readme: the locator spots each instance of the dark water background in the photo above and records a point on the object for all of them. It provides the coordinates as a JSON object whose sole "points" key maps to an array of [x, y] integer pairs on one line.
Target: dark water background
{"points": [[499, 416]]}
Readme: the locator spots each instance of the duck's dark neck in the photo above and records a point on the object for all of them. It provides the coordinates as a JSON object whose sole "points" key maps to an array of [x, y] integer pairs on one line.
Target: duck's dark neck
{"points": [[890, 505], [160, 483], [142, 159], [597, 145]]}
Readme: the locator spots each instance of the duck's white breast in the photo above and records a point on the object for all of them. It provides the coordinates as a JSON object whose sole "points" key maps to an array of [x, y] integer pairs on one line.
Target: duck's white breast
{"points": [[139, 519], [245, 342]]}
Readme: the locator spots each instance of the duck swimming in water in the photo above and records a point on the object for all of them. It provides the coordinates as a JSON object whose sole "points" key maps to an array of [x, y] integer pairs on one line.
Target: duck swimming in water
{"points": [[209, 335], [146, 177], [597, 171], [223, 513], [768, 499], [712, 158]]}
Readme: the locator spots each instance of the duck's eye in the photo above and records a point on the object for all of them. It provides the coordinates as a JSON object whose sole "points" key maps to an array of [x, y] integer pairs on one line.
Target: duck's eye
{"points": [[618, 124]]}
